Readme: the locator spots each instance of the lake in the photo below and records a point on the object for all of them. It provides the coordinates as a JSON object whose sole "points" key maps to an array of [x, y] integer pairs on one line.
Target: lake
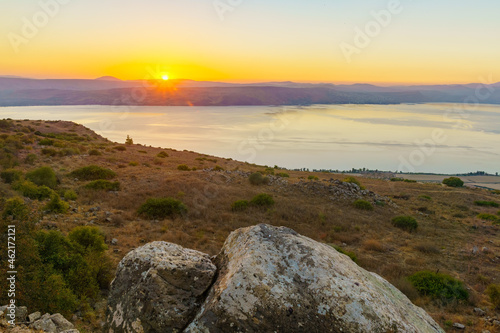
{"points": [[440, 138]]}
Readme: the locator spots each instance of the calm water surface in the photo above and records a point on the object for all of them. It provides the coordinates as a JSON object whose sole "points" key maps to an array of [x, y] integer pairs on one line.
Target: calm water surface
{"points": [[441, 138]]}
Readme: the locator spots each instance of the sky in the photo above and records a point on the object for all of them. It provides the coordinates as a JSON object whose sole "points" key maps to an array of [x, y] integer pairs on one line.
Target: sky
{"points": [[339, 41]]}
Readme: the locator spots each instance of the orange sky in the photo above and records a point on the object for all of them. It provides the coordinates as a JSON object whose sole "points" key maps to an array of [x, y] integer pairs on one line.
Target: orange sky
{"points": [[255, 41]]}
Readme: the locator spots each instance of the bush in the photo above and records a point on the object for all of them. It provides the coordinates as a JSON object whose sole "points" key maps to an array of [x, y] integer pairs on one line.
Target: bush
{"points": [[218, 168], [49, 152], [93, 172], [453, 182], [424, 197], [46, 142], [283, 174], [133, 163], [239, 205], [311, 177], [486, 204], [10, 175], [30, 190], [56, 205], [101, 184], [43, 176], [438, 286], [262, 200], [161, 207], [183, 167], [16, 208], [95, 152], [488, 217], [162, 154], [120, 148], [30, 159], [258, 179], [70, 195], [363, 205], [408, 223], [351, 255], [493, 292]]}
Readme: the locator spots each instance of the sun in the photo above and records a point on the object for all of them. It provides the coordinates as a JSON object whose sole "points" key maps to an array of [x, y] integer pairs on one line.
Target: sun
{"points": [[164, 77]]}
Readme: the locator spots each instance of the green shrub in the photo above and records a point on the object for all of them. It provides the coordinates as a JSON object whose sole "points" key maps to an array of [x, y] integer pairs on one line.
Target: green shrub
{"points": [[70, 195], [262, 200], [11, 175], [493, 292], [424, 197], [407, 223], [183, 167], [101, 184], [218, 168], [56, 205], [488, 217], [46, 142], [351, 255], [161, 207], [162, 154], [239, 205], [94, 152], [453, 182], [396, 179], [283, 174], [49, 152], [438, 286], [30, 159], [30, 190], [91, 239], [486, 204], [93, 172], [258, 179], [133, 163], [363, 205], [312, 177], [410, 181], [16, 208], [43, 176]]}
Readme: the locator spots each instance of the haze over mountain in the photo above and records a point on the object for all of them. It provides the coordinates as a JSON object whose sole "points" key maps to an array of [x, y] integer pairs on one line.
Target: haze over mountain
{"points": [[108, 90]]}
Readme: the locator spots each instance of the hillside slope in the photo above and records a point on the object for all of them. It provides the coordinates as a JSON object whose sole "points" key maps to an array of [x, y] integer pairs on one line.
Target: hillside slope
{"points": [[450, 237]]}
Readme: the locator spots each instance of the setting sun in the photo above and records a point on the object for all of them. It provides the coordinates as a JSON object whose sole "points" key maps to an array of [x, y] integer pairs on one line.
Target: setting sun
{"points": [[164, 77]]}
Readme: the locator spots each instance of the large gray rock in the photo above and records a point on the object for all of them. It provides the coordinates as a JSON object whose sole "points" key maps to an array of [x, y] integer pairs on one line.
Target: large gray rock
{"points": [[20, 312], [274, 280], [158, 287], [62, 323]]}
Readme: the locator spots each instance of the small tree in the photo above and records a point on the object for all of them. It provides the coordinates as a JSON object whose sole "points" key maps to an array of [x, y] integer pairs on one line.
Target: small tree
{"points": [[129, 141], [453, 182]]}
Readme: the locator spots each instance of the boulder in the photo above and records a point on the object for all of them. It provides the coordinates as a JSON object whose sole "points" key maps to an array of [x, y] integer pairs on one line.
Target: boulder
{"points": [[34, 316], [21, 313], [158, 287], [61, 323], [45, 324], [273, 280]]}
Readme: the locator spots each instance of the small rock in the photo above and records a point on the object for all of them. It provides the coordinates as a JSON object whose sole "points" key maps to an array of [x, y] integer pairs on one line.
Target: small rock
{"points": [[474, 250], [61, 322], [114, 241], [485, 249], [459, 326], [479, 312], [496, 322], [34, 316], [485, 331], [108, 219]]}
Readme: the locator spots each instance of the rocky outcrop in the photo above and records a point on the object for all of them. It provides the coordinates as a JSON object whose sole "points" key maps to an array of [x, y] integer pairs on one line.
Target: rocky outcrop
{"points": [[55, 323], [158, 287], [269, 279]]}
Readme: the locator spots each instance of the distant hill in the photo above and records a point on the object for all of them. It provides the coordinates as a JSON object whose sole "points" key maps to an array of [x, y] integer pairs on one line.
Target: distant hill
{"points": [[108, 90]]}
